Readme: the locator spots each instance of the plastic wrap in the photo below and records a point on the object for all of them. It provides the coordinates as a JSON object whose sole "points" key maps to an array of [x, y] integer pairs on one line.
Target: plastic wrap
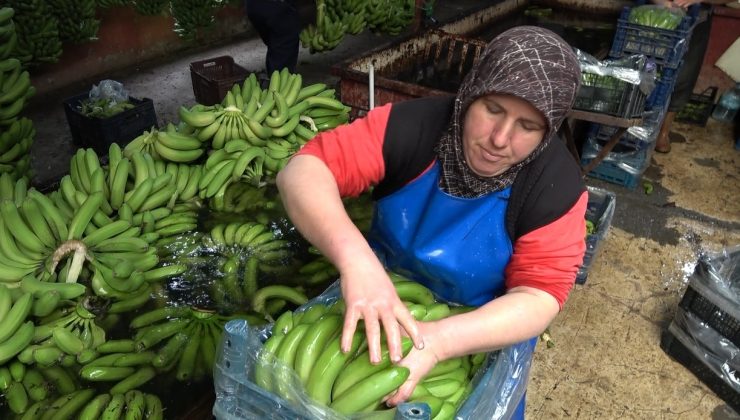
{"points": [[721, 272], [498, 386], [633, 69], [111, 90], [711, 335], [600, 211]]}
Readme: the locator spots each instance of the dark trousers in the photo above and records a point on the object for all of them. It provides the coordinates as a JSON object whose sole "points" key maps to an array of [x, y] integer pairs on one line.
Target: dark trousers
{"points": [[278, 25], [691, 67]]}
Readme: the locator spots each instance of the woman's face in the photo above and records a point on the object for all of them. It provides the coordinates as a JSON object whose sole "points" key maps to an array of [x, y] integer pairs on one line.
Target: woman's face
{"points": [[499, 131]]}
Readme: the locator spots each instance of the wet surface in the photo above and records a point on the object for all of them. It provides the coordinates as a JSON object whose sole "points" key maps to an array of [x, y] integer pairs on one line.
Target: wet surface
{"points": [[606, 362]]}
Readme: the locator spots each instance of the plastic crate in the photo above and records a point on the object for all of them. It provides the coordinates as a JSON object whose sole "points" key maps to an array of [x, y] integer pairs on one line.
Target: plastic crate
{"points": [[676, 344], [609, 95], [704, 300], [623, 166], [661, 94], [699, 107], [214, 77], [497, 386], [665, 47], [599, 211], [121, 128]]}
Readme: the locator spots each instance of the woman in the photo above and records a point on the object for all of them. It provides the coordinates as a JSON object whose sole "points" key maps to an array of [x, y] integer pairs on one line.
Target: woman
{"points": [[476, 198]]}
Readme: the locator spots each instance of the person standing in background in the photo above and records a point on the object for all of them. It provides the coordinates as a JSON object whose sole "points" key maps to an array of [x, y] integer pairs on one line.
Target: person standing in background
{"points": [[689, 71], [278, 24]]}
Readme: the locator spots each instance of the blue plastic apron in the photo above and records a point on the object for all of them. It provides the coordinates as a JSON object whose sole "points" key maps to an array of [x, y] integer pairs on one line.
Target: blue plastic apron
{"points": [[457, 247]]}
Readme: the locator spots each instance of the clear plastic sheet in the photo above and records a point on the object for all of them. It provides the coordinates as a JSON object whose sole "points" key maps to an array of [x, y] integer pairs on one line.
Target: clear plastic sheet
{"points": [[111, 90], [498, 387], [721, 273], [717, 279], [717, 352], [633, 69]]}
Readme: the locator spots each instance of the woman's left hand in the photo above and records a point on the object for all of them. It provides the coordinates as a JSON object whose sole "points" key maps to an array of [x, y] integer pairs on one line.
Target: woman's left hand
{"points": [[685, 3], [419, 363]]}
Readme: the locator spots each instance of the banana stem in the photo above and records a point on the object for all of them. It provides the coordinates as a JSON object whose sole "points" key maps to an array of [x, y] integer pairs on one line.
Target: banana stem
{"points": [[78, 259]]}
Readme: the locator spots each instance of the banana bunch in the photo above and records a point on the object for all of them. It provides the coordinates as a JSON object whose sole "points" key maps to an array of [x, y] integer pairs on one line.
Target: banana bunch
{"points": [[318, 271], [150, 7], [280, 112], [240, 197], [186, 339], [15, 90], [168, 145], [142, 183], [83, 404], [351, 12], [360, 210], [389, 16], [77, 22], [15, 146], [237, 161], [8, 35], [326, 34], [22, 386], [16, 330], [192, 15], [304, 349], [38, 33], [67, 336], [111, 3]]}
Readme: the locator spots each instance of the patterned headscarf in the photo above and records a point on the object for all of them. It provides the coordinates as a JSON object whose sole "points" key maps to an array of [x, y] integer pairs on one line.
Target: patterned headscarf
{"points": [[529, 62]]}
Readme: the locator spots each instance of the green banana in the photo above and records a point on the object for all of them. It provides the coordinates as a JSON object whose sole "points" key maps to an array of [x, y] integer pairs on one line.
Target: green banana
{"points": [[140, 377], [370, 390]]}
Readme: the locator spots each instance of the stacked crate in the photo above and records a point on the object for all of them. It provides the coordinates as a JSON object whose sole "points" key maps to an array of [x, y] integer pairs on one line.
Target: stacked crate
{"points": [[704, 335], [664, 49]]}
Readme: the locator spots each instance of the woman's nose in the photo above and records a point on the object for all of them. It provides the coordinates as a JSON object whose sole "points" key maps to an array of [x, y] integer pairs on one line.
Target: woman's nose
{"points": [[501, 133]]}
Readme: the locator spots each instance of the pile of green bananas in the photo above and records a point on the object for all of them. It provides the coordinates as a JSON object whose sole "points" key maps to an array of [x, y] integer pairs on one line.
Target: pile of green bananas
{"points": [[242, 196], [15, 90], [67, 336], [263, 116], [8, 35], [389, 16], [77, 22], [170, 145], [38, 33], [16, 330], [15, 145], [352, 12], [84, 404], [150, 7], [327, 33], [191, 15], [22, 386], [111, 3], [304, 349], [179, 338]]}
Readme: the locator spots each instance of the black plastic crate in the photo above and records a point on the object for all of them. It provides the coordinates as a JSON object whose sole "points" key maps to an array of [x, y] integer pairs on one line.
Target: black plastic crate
{"points": [[712, 307], [599, 211], [666, 47], [214, 77], [681, 353], [609, 95], [99, 133], [699, 107]]}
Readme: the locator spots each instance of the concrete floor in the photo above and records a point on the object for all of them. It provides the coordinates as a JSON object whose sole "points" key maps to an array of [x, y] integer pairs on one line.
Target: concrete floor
{"points": [[606, 362]]}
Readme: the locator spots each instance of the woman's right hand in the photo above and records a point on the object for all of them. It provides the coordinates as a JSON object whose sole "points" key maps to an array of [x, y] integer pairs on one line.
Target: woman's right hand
{"points": [[369, 295]]}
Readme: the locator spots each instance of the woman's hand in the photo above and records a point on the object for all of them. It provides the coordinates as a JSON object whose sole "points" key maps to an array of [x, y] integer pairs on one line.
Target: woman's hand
{"points": [[369, 295], [419, 362], [685, 3]]}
